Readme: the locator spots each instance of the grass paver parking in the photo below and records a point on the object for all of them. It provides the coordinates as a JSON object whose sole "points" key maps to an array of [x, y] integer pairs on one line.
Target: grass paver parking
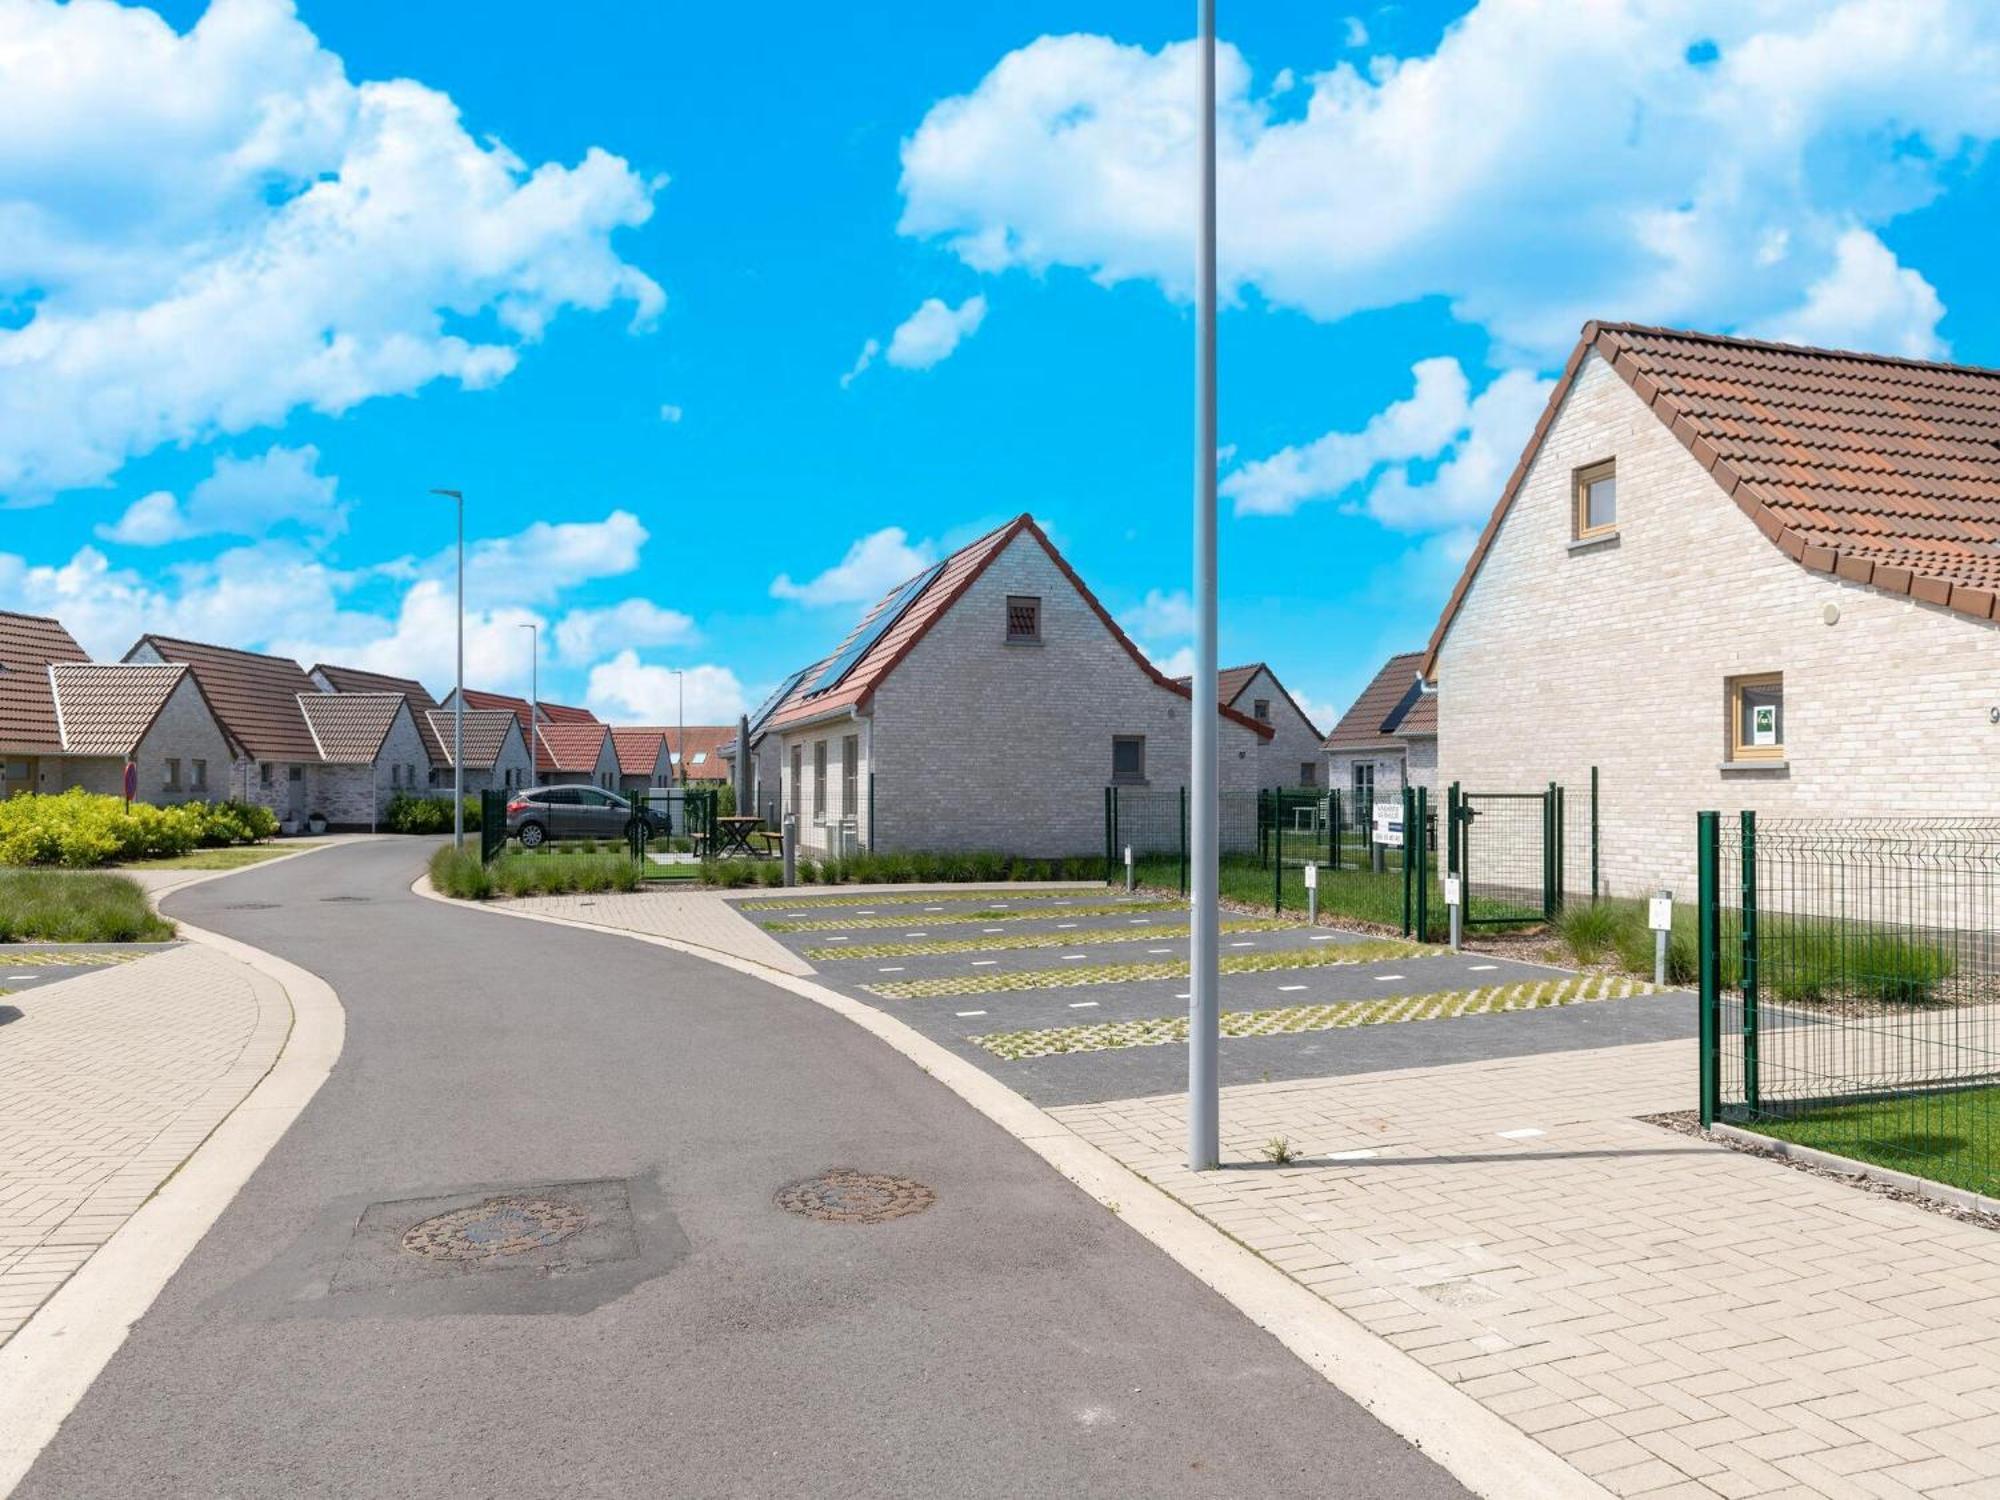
{"points": [[970, 914], [944, 947], [895, 898], [1367, 951], [1104, 1036], [72, 958]]}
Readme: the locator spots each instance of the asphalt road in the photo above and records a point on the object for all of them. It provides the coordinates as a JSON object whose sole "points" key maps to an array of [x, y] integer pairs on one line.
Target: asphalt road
{"points": [[1014, 1339]]}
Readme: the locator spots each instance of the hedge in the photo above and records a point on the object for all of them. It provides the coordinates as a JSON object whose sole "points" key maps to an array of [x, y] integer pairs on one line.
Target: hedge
{"points": [[81, 829]]}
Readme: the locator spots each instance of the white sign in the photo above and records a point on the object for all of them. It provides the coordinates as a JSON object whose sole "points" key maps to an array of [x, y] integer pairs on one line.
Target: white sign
{"points": [[1660, 913], [1389, 824], [1451, 890], [1312, 877], [1128, 854], [1764, 724]]}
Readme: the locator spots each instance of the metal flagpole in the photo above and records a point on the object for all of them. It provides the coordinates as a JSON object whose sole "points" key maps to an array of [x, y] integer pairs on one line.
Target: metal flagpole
{"points": [[1204, 1009]]}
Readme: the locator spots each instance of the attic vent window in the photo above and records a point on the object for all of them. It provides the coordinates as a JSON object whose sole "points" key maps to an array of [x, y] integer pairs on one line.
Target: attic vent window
{"points": [[1024, 618], [1261, 710]]}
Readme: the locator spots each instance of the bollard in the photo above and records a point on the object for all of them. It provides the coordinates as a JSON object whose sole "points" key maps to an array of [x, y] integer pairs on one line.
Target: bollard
{"points": [[1377, 858], [1312, 893], [1455, 902], [1660, 916], [1131, 880], [791, 844]]}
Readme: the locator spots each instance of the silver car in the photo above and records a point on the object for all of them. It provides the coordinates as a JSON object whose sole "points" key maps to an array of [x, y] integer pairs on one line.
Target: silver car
{"points": [[573, 812]]}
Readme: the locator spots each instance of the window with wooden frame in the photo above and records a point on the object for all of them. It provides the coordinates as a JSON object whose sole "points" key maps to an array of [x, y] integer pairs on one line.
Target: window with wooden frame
{"points": [[1757, 717], [1024, 619], [1596, 502]]}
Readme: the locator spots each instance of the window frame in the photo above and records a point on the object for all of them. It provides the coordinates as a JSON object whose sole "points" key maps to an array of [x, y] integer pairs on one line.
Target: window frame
{"points": [[1745, 754], [1260, 710], [1133, 778], [198, 775], [1309, 773], [1032, 602], [798, 781], [850, 775], [1580, 483], [173, 769], [819, 780]]}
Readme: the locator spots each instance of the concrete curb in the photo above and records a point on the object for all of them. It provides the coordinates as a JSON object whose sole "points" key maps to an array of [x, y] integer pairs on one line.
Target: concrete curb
{"points": [[47, 1367], [1847, 1166], [1483, 1451]]}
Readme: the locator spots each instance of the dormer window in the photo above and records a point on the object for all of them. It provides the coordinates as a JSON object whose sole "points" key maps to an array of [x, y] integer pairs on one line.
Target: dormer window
{"points": [[1596, 501]]}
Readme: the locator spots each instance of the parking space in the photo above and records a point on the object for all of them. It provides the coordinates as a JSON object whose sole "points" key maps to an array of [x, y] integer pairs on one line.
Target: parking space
{"points": [[1082, 996], [31, 966]]}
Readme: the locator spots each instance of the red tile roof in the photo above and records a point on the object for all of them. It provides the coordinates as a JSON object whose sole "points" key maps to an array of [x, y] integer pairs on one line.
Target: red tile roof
{"points": [[255, 696], [552, 713], [1389, 709], [29, 644], [1878, 470], [640, 750], [569, 746], [958, 573], [702, 759], [349, 728], [106, 708], [1230, 683]]}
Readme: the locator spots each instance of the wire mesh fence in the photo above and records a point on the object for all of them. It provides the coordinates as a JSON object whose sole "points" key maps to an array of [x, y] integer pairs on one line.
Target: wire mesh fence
{"points": [[1850, 989]]}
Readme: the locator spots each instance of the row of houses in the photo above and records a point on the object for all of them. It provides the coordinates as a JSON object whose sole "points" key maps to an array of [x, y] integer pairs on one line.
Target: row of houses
{"points": [[182, 720]]}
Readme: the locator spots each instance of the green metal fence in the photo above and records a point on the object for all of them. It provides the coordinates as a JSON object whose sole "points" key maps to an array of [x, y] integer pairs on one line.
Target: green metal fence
{"points": [[1850, 988], [1507, 850], [492, 824], [674, 830]]}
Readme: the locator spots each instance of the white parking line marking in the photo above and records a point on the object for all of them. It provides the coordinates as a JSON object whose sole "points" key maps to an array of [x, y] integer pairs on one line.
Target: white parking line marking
{"points": [[1480, 968], [969, 1013], [916, 934], [1286, 989], [1068, 956], [1324, 938], [1183, 995], [1388, 976], [1526, 1133], [1083, 1005], [933, 908], [837, 940], [1363, 1155], [1159, 950], [1061, 925], [989, 929], [981, 963], [1243, 945], [892, 969]]}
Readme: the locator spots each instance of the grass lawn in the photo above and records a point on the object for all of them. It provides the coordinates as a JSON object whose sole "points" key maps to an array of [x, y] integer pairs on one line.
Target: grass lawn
{"points": [[74, 906], [235, 857], [1951, 1138]]}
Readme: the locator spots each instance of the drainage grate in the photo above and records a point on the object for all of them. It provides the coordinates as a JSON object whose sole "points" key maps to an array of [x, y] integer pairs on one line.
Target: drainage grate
{"points": [[497, 1227], [842, 1195]]}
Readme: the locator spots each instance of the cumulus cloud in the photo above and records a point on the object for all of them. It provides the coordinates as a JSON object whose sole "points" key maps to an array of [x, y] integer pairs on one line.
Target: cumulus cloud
{"points": [[1177, 663], [1161, 614], [671, 413], [584, 634], [873, 565], [626, 689], [240, 497], [216, 227], [1866, 301], [536, 564], [1544, 165], [934, 331]]}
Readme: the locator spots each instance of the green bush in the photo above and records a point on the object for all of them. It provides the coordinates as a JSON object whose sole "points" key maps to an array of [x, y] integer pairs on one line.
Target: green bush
{"points": [[80, 829], [411, 814], [771, 872], [60, 906]]}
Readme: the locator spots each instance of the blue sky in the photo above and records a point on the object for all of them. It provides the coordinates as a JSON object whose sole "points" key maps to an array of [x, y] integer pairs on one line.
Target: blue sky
{"points": [[613, 270]]}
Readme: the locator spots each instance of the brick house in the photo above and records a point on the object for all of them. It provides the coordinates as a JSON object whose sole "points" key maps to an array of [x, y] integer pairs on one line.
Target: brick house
{"points": [[642, 758], [1291, 757], [294, 757], [766, 757], [986, 704], [574, 754], [1735, 575], [547, 712], [1387, 739], [332, 679], [66, 721], [496, 752]]}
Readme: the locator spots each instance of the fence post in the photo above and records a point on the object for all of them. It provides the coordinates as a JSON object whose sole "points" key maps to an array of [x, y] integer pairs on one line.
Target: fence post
{"points": [[1333, 826], [1593, 836], [1110, 829], [1423, 863], [1562, 847], [871, 812], [1277, 853], [1708, 942], [1409, 905], [1184, 841], [1748, 961]]}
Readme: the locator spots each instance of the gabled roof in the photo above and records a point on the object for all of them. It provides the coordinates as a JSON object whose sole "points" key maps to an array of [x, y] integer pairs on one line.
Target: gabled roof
{"points": [[1391, 708], [349, 728], [105, 708], [256, 697], [29, 645], [1232, 682], [569, 746], [552, 713], [641, 751], [355, 680], [915, 614], [701, 759], [485, 734], [1878, 470]]}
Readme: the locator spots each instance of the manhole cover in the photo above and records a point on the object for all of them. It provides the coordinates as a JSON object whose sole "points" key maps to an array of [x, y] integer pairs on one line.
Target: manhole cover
{"points": [[499, 1226], [844, 1196]]}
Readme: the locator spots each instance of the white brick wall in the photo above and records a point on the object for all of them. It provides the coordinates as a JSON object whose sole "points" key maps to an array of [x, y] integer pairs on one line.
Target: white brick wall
{"points": [[1294, 742], [185, 731], [979, 745], [1619, 655]]}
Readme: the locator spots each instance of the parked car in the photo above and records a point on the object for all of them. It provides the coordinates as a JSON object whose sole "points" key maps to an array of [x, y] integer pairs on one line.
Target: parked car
{"points": [[575, 812]]}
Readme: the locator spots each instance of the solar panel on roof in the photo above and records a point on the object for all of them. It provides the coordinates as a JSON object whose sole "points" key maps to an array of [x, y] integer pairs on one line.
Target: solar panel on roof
{"points": [[872, 631], [770, 705]]}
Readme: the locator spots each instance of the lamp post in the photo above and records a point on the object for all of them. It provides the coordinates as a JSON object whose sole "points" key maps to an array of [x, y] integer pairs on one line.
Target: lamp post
{"points": [[534, 671], [458, 698], [1204, 1007], [680, 708]]}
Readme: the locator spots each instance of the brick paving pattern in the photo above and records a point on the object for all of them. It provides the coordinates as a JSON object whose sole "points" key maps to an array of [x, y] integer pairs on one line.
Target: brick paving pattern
{"points": [[107, 1082], [1672, 1318], [699, 918]]}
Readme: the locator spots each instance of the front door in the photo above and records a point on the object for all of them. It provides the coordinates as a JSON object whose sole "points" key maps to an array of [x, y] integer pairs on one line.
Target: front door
{"points": [[296, 793]]}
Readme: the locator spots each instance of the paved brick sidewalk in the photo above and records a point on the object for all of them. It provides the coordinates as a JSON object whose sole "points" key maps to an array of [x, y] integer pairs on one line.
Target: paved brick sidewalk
{"points": [[1671, 1317], [107, 1082], [700, 918]]}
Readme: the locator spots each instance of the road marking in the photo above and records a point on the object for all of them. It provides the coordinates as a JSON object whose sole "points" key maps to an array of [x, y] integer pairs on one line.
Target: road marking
{"points": [[1068, 957], [1140, 921], [1480, 968], [1184, 995], [838, 940], [992, 929], [970, 1013], [980, 963], [916, 934], [933, 908], [1286, 989], [1159, 950], [1243, 945], [802, 914], [1083, 1005], [1525, 1133], [1363, 1155], [867, 913], [1324, 938], [892, 969], [1388, 976]]}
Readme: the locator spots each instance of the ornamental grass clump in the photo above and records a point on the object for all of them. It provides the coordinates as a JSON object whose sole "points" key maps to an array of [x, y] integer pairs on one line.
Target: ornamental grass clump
{"points": [[64, 906]]}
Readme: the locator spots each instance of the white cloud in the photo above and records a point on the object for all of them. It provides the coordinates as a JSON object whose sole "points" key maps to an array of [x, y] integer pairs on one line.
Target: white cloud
{"points": [[537, 564], [1546, 164], [214, 228], [240, 497], [1178, 663], [931, 333], [861, 362], [873, 565], [584, 634], [1473, 466], [1161, 614], [671, 413], [1355, 32], [1867, 301], [628, 690]]}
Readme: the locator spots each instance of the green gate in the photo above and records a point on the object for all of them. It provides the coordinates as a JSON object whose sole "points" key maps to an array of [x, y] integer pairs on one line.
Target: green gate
{"points": [[1506, 848]]}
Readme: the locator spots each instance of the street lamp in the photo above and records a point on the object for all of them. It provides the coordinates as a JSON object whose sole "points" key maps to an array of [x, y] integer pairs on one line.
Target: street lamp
{"points": [[680, 708], [534, 672], [1205, 980], [458, 698]]}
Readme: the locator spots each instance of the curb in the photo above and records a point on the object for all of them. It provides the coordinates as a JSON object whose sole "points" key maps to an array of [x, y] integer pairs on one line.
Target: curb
{"points": [[49, 1365], [1479, 1448], [1847, 1166]]}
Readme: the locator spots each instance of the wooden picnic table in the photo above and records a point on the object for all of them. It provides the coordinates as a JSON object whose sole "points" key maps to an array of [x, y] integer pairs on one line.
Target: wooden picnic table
{"points": [[736, 831]]}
